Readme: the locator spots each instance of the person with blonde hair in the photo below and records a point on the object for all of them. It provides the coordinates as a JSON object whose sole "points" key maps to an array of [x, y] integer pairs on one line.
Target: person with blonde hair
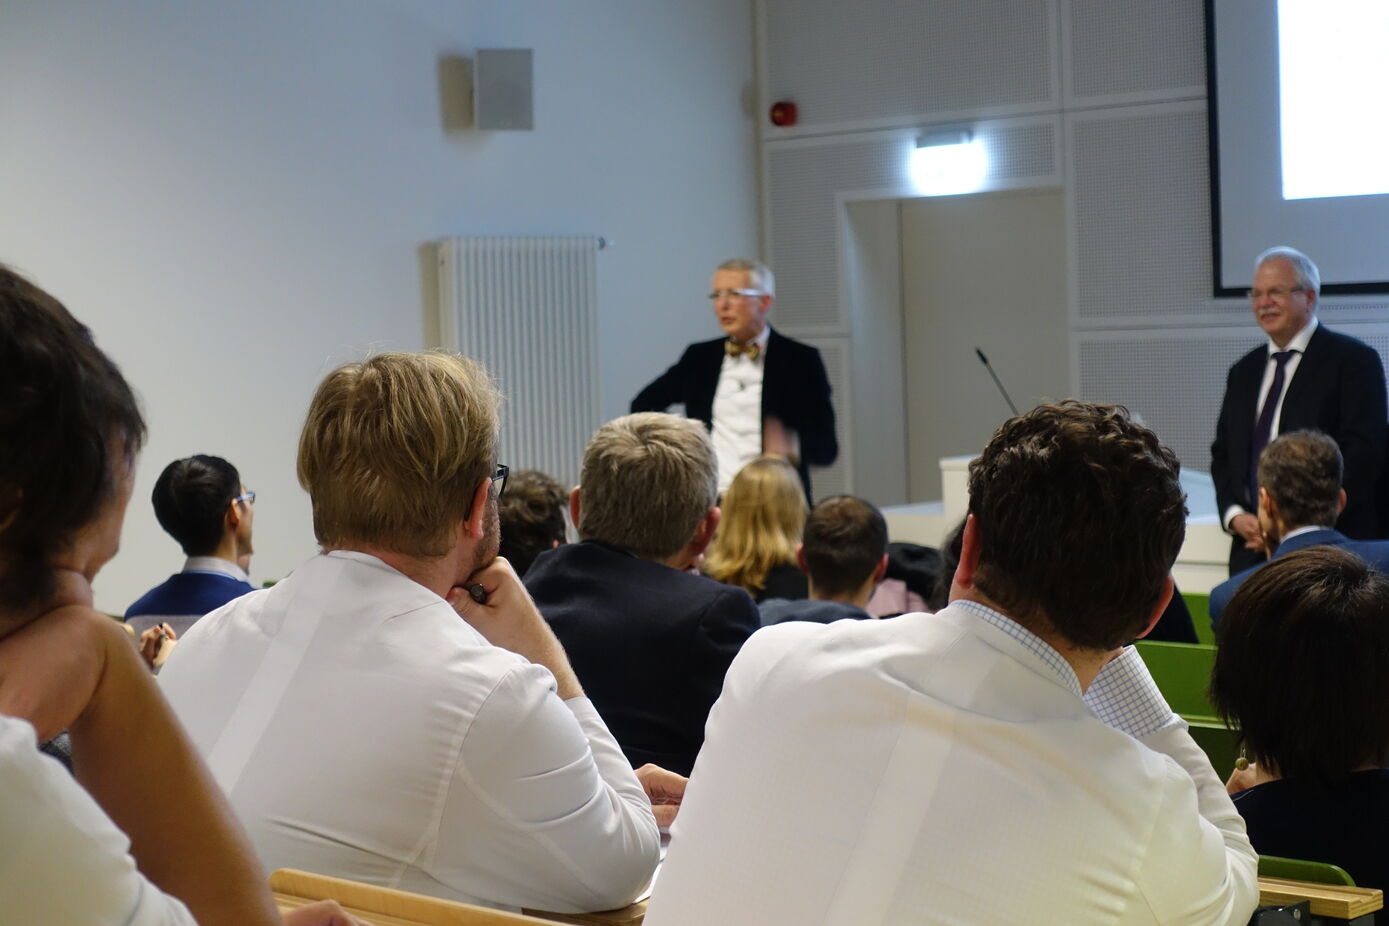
{"points": [[650, 640], [396, 711], [763, 517]]}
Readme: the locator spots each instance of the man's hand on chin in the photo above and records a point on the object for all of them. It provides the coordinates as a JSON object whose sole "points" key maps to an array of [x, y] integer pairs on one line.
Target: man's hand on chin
{"points": [[497, 605]]}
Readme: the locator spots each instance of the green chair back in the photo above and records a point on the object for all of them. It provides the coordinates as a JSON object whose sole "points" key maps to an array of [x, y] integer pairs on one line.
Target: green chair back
{"points": [[1183, 674], [1200, 608], [1296, 869]]}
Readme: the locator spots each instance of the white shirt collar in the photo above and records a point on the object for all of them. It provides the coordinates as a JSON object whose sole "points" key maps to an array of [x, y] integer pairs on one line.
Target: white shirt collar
{"points": [[1044, 651], [1298, 342], [215, 564], [1301, 530], [762, 338]]}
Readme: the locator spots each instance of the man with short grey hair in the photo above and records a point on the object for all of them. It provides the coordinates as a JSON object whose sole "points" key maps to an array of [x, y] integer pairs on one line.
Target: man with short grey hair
{"points": [[649, 640], [1304, 376], [1300, 497], [756, 390]]}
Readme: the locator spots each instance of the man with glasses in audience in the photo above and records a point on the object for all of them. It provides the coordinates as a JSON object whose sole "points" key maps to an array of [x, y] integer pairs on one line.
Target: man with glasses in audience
{"points": [[201, 502], [1304, 377], [396, 711], [757, 390]]}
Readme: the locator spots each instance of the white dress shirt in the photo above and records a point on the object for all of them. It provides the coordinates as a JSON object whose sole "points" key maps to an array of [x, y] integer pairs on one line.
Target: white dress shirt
{"points": [[62, 860], [945, 769], [362, 729], [737, 426], [1298, 345]]}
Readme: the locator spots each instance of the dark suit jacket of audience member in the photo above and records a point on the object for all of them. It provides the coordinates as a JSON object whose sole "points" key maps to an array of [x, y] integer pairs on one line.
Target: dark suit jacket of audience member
{"points": [[1374, 552], [1175, 625], [649, 643], [780, 610], [795, 389], [1343, 824], [784, 580]]}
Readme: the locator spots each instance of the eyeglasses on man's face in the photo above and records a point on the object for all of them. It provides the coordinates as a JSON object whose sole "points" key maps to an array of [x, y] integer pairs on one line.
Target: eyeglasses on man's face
{"points": [[248, 497], [499, 478], [1276, 293], [718, 294]]}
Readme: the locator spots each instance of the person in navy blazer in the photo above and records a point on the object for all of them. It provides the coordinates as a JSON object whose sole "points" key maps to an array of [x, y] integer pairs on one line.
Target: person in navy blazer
{"points": [[1300, 495], [795, 416], [1335, 384], [649, 640]]}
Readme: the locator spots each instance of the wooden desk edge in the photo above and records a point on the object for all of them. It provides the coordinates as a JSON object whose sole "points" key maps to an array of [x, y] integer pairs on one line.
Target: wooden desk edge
{"points": [[630, 915], [1336, 900], [293, 888]]}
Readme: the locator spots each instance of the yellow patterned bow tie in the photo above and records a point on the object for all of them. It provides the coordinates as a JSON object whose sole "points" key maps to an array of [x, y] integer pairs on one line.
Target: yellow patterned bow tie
{"points": [[733, 349]]}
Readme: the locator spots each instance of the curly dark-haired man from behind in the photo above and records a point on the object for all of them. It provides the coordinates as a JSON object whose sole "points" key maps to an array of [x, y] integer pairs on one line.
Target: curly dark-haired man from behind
{"points": [[1006, 760], [532, 517]]}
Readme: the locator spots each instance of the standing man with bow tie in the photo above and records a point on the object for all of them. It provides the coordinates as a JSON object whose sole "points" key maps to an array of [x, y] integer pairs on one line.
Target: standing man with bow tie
{"points": [[758, 391], [1305, 377]]}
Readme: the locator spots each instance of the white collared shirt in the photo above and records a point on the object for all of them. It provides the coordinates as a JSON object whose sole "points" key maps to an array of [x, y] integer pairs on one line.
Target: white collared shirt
{"points": [[1297, 532], [737, 425], [360, 728], [1298, 345], [215, 564], [945, 768]]}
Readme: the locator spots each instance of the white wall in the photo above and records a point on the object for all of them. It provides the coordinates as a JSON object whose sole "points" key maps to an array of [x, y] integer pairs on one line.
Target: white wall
{"points": [[238, 196]]}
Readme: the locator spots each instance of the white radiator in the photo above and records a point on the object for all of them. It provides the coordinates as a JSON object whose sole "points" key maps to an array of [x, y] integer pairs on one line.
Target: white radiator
{"points": [[527, 308]]}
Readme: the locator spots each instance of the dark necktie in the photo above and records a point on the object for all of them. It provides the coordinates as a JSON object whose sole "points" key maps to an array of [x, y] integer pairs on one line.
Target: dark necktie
{"points": [[1264, 426]]}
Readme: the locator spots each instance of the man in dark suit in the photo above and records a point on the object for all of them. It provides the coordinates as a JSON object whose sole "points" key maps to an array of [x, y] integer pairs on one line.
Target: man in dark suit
{"points": [[1300, 496], [649, 641], [758, 391], [1305, 377]]}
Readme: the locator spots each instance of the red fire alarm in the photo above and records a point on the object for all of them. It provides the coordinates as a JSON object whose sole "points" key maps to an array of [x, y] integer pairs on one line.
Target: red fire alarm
{"points": [[783, 113]]}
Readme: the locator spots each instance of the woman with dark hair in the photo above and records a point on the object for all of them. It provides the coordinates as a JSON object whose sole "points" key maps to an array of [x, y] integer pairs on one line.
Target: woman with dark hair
{"points": [[1300, 671], [143, 836]]}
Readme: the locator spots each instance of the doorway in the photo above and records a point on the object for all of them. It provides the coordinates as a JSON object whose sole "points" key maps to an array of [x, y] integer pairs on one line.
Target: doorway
{"points": [[986, 270]]}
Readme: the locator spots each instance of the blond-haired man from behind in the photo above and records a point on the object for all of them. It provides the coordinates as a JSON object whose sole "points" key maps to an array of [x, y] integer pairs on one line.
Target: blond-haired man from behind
{"points": [[359, 726]]}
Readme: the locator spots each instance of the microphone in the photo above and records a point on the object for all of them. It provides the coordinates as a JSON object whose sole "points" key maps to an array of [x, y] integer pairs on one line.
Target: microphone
{"points": [[985, 361]]}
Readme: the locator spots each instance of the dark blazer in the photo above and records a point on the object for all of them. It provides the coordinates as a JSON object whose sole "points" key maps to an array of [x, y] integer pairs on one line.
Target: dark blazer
{"points": [[1374, 552], [1338, 389], [649, 643], [795, 389]]}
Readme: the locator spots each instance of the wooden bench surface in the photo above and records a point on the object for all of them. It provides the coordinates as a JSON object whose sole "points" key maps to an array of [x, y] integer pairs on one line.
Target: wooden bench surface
{"points": [[382, 906], [1335, 900]]}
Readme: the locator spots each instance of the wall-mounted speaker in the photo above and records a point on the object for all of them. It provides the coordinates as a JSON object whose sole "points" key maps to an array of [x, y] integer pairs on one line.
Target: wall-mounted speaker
{"points": [[503, 89]]}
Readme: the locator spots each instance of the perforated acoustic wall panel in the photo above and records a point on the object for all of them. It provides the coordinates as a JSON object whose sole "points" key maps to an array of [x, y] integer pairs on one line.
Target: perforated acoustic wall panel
{"points": [[1135, 46], [804, 178], [1174, 382], [1140, 204], [877, 59], [1175, 379]]}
